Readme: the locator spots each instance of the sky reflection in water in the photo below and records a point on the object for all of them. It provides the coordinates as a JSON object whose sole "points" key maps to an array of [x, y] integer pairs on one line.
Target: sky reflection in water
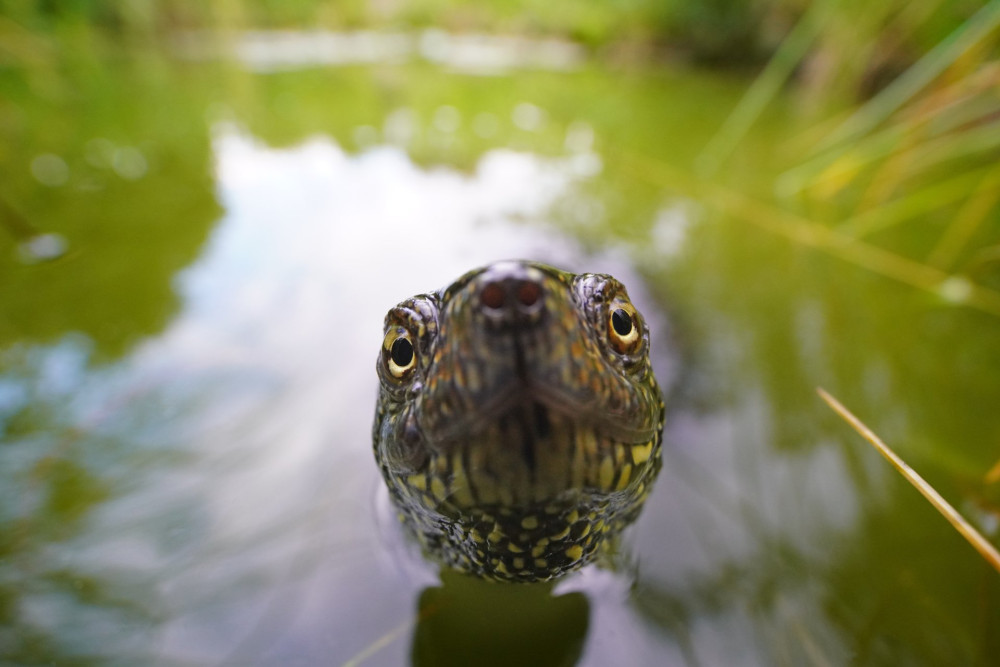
{"points": [[237, 442], [234, 508]]}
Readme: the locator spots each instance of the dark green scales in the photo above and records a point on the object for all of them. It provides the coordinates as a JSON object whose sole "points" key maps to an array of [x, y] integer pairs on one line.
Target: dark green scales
{"points": [[518, 422]]}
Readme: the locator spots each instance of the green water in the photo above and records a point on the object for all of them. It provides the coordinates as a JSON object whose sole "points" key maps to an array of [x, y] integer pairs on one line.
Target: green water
{"points": [[186, 390]]}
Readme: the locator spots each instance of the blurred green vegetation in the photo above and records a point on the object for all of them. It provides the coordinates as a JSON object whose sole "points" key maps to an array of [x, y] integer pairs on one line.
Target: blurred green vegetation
{"points": [[861, 138], [862, 43], [885, 154], [881, 149], [116, 162]]}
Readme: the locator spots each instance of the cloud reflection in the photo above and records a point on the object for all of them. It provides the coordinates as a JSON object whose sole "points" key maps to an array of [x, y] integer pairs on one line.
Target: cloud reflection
{"points": [[281, 322]]}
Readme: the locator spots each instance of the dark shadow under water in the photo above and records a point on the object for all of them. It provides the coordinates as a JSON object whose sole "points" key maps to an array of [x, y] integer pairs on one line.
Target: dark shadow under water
{"points": [[468, 621]]}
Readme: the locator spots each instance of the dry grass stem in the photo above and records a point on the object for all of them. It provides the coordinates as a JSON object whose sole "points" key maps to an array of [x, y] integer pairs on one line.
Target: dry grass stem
{"points": [[380, 643], [975, 538]]}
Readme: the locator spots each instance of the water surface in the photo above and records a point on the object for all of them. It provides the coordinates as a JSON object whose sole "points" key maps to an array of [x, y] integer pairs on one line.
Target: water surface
{"points": [[187, 383]]}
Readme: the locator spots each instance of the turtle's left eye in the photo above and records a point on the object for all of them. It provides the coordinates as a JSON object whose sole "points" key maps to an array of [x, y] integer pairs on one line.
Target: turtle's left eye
{"points": [[398, 353], [623, 328]]}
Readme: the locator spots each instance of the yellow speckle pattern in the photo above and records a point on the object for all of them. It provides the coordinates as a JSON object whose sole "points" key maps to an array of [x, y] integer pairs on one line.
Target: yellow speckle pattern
{"points": [[561, 535], [460, 489], [438, 488], [606, 473], [641, 453], [624, 477]]}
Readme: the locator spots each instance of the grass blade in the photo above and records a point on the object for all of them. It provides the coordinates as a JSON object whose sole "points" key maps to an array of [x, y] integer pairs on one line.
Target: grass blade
{"points": [[764, 88], [975, 538], [914, 205], [806, 232], [968, 219], [915, 79], [380, 643]]}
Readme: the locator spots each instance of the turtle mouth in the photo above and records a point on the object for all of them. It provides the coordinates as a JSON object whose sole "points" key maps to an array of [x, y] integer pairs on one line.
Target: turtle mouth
{"points": [[534, 407]]}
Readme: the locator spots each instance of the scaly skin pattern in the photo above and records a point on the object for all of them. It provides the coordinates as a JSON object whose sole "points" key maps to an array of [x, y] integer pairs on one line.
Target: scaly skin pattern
{"points": [[518, 423]]}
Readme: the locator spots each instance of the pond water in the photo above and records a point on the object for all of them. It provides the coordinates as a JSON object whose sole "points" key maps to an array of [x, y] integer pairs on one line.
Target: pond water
{"points": [[199, 257]]}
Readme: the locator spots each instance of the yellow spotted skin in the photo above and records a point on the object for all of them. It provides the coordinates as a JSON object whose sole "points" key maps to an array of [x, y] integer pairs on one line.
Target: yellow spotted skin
{"points": [[518, 424]]}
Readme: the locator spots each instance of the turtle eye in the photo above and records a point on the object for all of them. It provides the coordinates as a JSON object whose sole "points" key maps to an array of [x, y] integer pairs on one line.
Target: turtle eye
{"points": [[623, 328], [398, 352]]}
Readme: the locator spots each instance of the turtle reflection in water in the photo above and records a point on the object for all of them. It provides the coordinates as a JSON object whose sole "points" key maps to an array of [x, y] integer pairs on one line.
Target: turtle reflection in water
{"points": [[518, 422]]}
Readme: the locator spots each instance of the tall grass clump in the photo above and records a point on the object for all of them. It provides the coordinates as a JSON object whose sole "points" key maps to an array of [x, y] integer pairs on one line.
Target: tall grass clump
{"points": [[905, 179]]}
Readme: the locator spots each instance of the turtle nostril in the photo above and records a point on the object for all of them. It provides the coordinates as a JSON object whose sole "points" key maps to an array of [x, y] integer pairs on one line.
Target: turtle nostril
{"points": [[493, 296], [508, 300], [528, 293]]}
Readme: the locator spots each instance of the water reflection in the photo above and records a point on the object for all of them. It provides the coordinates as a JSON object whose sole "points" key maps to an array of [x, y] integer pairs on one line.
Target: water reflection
{"points": [[187, 477], [481, 54], [222, 470]]}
